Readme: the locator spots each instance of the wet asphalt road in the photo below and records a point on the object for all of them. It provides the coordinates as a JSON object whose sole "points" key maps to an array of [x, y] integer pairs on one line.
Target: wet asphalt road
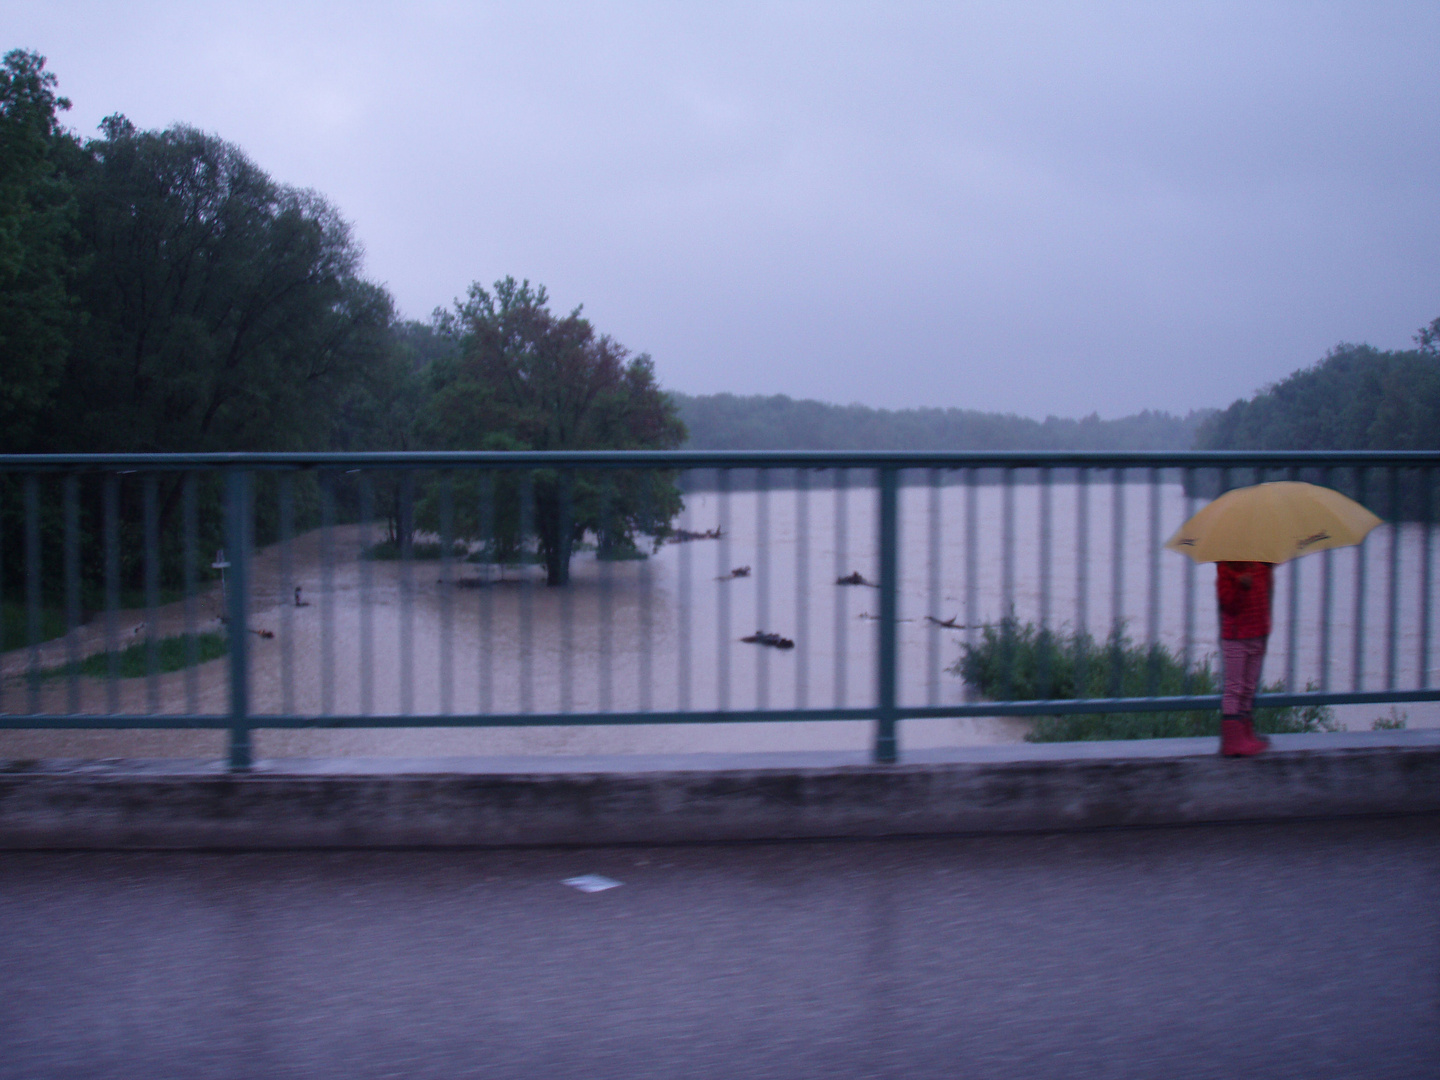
{"points": [[1308, 950]]}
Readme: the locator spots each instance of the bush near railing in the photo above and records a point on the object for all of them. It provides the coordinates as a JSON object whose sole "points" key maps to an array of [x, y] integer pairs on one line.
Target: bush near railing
{"points": [[1015, 661]]}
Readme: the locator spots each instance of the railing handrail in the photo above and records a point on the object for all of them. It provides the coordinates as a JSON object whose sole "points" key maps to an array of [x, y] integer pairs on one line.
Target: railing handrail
{"points": [[712, 459]]}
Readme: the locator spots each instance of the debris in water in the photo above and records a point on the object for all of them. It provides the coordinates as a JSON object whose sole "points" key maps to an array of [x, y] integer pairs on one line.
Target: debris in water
{"points": [[760, 637], [739, 571], [949, 624], [680, 536], [591, 883]]}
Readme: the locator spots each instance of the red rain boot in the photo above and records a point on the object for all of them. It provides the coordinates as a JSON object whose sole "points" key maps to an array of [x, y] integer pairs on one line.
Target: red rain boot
{"points": [[1235, 741], [1249, 723]]}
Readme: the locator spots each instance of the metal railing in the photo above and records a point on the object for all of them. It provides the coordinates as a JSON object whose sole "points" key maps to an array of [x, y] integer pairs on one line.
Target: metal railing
{"points": [[953, 549]]}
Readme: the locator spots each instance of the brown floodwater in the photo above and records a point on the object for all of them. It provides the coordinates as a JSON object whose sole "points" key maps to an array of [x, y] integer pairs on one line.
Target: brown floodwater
{"points": [[664, 632]]}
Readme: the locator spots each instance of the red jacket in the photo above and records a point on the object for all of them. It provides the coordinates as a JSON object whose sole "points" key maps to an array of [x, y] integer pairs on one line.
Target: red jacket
{"points": [[1244, 590]]}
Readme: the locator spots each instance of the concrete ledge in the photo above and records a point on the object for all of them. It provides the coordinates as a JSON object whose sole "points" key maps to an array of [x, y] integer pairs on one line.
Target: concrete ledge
{"points": [[507, 802]]}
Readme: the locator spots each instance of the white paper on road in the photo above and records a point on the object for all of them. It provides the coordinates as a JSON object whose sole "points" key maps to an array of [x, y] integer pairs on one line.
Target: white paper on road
{"points": [[590, 883]]}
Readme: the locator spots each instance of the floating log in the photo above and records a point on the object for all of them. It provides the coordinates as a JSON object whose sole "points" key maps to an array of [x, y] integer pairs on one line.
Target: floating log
{"points": [[762, 637], [949, 624]]}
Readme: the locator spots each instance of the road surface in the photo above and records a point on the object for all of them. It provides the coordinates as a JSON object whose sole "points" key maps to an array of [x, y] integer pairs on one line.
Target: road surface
{"points": [[1305, 950]]}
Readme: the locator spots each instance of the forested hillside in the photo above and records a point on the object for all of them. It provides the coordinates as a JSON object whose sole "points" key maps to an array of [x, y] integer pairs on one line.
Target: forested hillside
{"points": [[728, 422], [1357, 398]]}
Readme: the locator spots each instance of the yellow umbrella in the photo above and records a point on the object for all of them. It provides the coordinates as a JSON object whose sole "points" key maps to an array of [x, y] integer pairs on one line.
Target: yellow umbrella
{"points": [[1272, 523]]}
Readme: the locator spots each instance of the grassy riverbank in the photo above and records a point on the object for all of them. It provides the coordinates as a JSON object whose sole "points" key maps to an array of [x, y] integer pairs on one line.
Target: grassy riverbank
{"points": [[132, 662], [15, 625]]}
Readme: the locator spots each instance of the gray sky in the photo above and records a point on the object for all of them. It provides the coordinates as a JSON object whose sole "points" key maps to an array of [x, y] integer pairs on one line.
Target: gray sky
{"points": [[1029, 208]]}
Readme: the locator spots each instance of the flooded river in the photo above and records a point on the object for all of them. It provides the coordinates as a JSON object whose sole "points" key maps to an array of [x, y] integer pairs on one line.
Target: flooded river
{"points": [[664, 632]]}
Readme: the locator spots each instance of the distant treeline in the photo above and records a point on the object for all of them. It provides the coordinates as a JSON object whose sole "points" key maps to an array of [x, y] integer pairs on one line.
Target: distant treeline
{"points": [[1356, 398], [730, 422]]}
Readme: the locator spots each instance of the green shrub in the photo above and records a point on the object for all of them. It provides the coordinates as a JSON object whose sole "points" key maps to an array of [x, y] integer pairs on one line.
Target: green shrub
{"points": [[1396, 721], [1016, 661]]}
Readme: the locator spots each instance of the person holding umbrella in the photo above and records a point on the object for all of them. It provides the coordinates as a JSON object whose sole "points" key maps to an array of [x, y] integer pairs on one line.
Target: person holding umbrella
{"points": [[1247, 532], [1243, 590]]}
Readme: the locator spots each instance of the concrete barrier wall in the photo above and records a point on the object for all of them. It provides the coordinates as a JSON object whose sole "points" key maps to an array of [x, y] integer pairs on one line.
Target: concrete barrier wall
{"points": [[178, 806]]}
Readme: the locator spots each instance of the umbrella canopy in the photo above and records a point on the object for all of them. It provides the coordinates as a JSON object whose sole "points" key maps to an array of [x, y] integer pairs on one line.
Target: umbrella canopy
{"points": [[1272, 523]]}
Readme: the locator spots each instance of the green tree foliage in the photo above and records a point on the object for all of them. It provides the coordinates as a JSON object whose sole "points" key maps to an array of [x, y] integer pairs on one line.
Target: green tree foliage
{"points": [[37, 236], [528, 379], [225, 311], [382, 407], [159, 292], [1428, 338], [1357, 398], [730, 422]]}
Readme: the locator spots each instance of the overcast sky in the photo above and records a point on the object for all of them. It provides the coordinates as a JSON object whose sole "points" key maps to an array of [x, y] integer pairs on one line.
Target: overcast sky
{"points": [[1040, 209]]}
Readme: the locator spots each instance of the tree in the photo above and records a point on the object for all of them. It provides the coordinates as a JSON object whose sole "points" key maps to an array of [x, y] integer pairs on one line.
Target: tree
{"points": [[527, 379], [221, 312], [1357, 398], [1428, 338], [37, 233], [224, 310], [381, 409]]}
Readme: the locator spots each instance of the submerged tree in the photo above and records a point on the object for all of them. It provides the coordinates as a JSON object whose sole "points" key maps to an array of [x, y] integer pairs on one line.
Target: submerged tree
{"points": [[527, 379]]}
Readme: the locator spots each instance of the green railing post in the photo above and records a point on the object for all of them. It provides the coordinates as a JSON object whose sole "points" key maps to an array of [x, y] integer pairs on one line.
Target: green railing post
{"points": [[237, 538], [885, 750]]}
